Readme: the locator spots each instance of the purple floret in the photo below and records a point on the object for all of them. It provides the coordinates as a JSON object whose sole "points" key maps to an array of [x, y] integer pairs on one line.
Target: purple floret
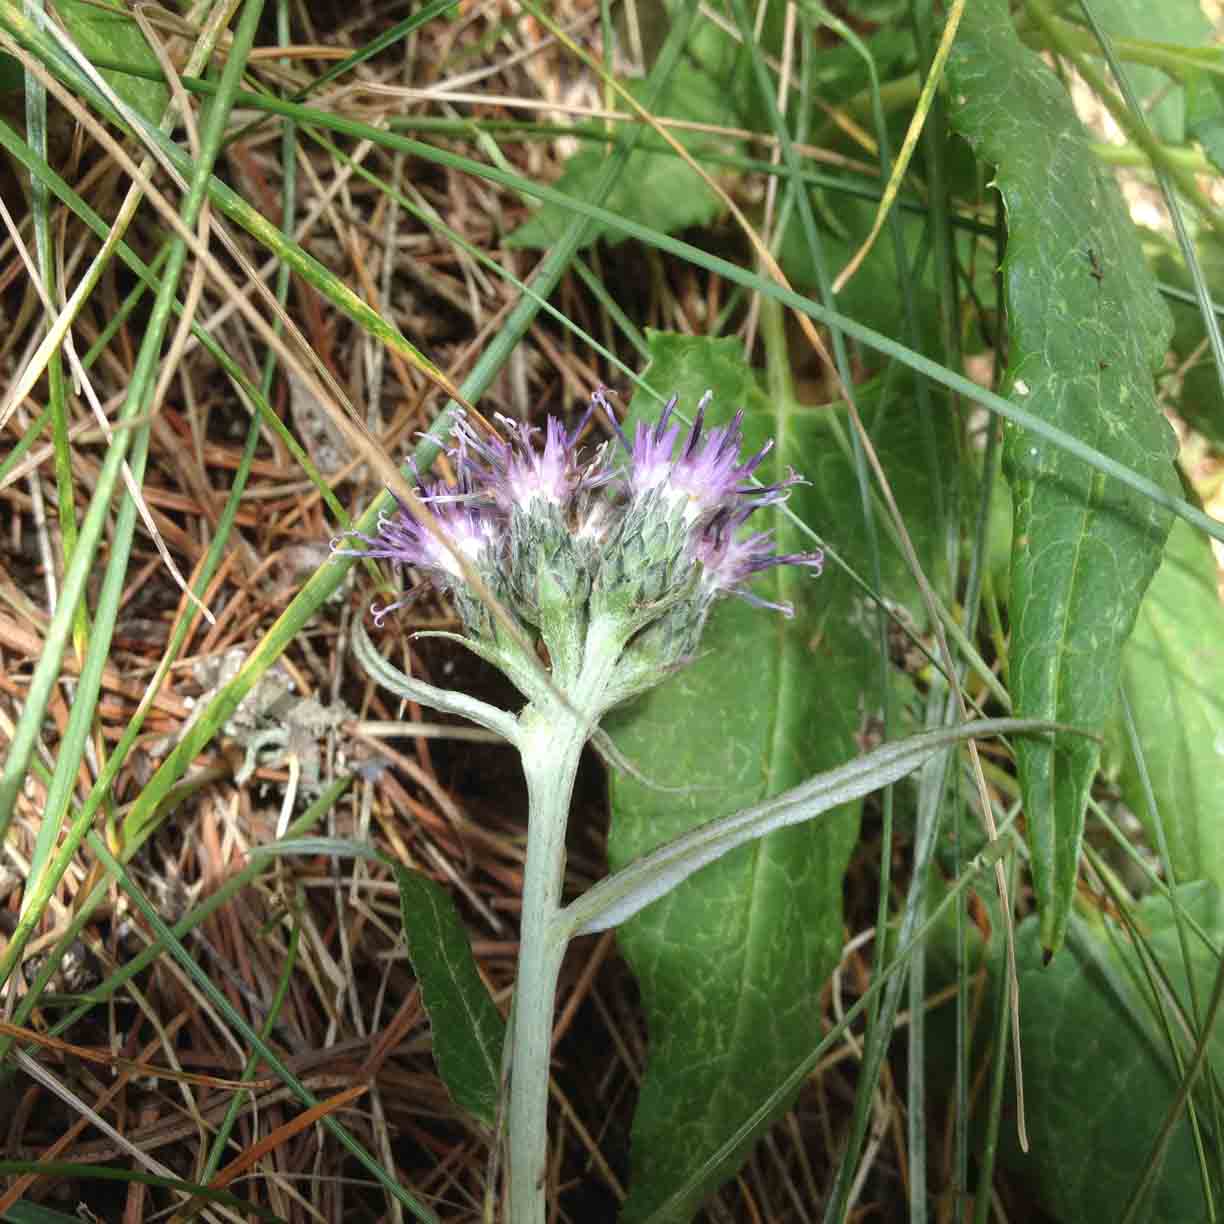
{"points": [[651, 454], [730, 560], [706, 477], [515, 473], [717, 493], [471, 529]]}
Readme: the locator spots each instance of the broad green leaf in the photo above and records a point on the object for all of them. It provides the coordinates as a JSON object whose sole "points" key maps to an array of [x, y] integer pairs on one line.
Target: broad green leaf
{"points": [[111, 37], [917, 458], [873, 295], [1173, 676], [1086, 331], [731, 964], [840, 73], [657, 188], [468, 1030], [710, 48], [1171, 21], [1098, 1073]]}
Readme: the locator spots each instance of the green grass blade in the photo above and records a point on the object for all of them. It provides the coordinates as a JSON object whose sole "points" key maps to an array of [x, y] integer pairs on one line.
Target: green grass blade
{"points": [[43, 879]]}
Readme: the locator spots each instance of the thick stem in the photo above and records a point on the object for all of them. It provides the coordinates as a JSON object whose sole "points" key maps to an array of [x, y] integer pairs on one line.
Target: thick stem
{"points": [[550, 738], [551, 747]]}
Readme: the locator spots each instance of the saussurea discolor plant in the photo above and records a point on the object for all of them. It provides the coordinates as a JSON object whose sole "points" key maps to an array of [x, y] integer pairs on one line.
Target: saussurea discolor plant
{"points": [[587, 580], [609, 562]]}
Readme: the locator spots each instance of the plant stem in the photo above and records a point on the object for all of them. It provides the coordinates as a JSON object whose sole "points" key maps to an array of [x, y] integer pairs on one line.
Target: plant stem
{"points": [[550, 738], [551, 748]]}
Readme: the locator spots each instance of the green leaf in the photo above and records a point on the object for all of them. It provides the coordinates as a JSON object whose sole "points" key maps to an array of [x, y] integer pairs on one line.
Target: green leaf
{"points": [[1201, 399], [1205, 114], [1086, 331], [468, 1030], [618, 897], [732, 962], [872, 295], [1098, 1074], [1175, 22], [1173, 676], [112, 37], [840, 72], [657, 188], [910, 449]]}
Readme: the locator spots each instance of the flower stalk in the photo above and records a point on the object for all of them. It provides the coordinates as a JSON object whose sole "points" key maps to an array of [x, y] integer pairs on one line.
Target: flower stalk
{"points": [[551, 749], [608, 572]]}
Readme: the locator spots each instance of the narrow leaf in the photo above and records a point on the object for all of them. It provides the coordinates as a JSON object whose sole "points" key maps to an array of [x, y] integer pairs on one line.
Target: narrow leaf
{"points": [[1086, 331], [468, 1030], [620, 896]]}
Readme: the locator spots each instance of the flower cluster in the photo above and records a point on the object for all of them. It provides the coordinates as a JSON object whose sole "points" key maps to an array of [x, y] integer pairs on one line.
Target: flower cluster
{"points": [[647, 543]]}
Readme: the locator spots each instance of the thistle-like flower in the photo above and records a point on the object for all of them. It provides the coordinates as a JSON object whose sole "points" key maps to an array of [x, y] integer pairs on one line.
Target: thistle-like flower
{"points": [[642, 549], [706, 478], [729, 560]]}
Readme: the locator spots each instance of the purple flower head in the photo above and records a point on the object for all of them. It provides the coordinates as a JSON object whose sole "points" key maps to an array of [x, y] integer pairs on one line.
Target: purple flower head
{"points": [[651, 454], [730, 560], [706, 478], [471, 530], [701, 474], [517, 473], [549, 533]]}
